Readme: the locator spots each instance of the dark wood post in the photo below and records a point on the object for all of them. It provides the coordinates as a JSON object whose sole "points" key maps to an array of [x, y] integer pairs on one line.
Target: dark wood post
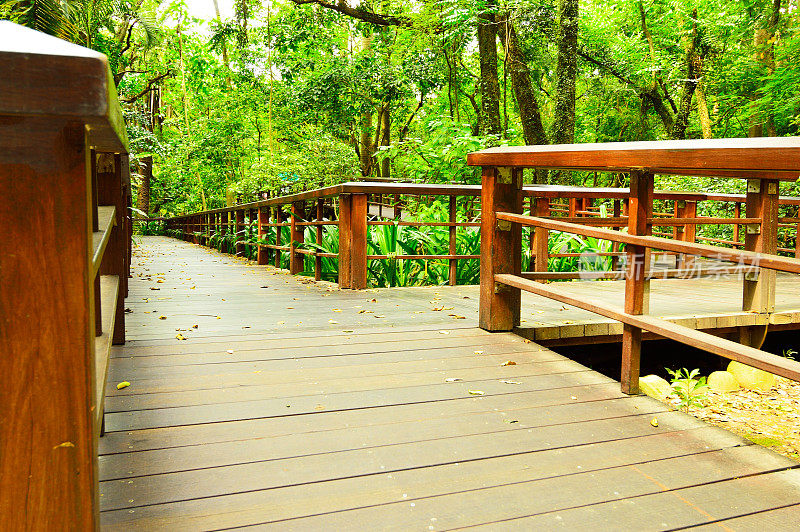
{"points": [[762, 202], [358, 229], [541, 252], [297, 236], [637, 287], [111, 192], [453, 248], [278, 217], [345, 239], [737, 213], [262, 251], [501, 248], [239, 227], [615, 245], [318, 238]]}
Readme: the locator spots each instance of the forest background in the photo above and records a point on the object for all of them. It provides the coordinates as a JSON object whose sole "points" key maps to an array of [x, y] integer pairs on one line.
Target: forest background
{"points": [[304, 93]]}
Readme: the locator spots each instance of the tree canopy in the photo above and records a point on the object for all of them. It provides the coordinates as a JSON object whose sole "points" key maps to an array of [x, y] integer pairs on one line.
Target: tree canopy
{"points": [[304, 93]]}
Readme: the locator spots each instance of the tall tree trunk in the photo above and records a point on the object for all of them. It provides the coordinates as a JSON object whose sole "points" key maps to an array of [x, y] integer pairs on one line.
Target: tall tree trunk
{"points": [[366, 147], [224, 50], [490, 86], [694, 65], [702, 111], [532, 129], [386, 140], [763, 124], [187, 138], [143, 191], [566, 72]]}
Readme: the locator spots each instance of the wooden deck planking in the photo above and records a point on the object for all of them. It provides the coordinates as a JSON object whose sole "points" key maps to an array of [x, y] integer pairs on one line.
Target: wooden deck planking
{"points": [[352, 425]]}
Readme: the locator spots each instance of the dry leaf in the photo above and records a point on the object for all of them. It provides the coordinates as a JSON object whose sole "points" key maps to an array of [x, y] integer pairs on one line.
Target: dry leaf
{"points": [[511, 382], [162, 317], [509, 363], [444, 332], [654, 422], [336, 310], [180, 337], [475, 392], [452, 379], [123, 384], [229, 351], [478, 352]]}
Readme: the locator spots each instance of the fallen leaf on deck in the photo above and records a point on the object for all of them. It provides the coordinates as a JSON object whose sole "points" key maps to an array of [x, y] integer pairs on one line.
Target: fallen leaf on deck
{"points": [[195, 326], [162, 317], [510, 421], [511, 382], [478, 352], [123, 384], [336, 310], [509, 363], [444, 332], [281, 322], [452, 379], [332, 321], [65, 444], [475, 392], [229, 351], [180, 337], [654, 422]]}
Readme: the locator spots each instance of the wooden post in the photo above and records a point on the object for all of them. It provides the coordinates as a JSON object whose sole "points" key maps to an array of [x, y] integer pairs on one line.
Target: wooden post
{"points": [[615, 245], [345, 239], [297, 237], [239, 228], [737, 213], [453, 248], [689, 233], [318, 239], [501, 244], [573, 207], [637, 287], [762, 202], [110, 192], [679, 231], [541, 251], [358, 228], [48, 440], [263, 217], [278, 216]]}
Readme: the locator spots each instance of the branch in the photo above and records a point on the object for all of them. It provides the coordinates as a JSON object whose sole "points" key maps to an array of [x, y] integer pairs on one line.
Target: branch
{"points": [[147, 88], [128, 38], [341, 6]]}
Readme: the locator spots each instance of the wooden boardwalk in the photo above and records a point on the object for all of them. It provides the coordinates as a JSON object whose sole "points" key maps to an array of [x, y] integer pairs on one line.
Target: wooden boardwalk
{"points": [[295, 405]]}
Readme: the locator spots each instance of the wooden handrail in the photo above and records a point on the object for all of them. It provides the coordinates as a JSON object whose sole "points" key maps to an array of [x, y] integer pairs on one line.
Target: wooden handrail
{"points": [[762, 161], [708, 342], [64, 198], [776, 157], [772, 262]]}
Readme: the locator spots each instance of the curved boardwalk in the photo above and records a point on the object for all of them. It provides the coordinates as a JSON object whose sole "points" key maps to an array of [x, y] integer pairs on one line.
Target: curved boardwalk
{"points": [[294, 405]]}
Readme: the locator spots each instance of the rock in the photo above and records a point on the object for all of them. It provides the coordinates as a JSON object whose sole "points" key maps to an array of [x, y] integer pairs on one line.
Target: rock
{"points": [[723, 381], [751, 378], [655, 387]]}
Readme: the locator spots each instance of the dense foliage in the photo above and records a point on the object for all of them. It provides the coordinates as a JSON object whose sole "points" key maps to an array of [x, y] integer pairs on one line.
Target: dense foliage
{"points": [[303, 93]]}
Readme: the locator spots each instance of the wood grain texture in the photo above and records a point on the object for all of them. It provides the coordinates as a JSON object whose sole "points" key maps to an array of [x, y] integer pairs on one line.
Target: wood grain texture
{"points": [[48, 454], [320, 416], [771, 157]]}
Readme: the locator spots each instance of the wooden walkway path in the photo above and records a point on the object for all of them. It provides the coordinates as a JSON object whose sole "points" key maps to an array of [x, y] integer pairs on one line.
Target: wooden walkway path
{"points": [[294, 405]]}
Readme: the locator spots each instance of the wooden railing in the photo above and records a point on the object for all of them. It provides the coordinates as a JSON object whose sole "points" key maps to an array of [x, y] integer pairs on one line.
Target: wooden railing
{"points": [[65, 240], [354, 207], [762, 161]]}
